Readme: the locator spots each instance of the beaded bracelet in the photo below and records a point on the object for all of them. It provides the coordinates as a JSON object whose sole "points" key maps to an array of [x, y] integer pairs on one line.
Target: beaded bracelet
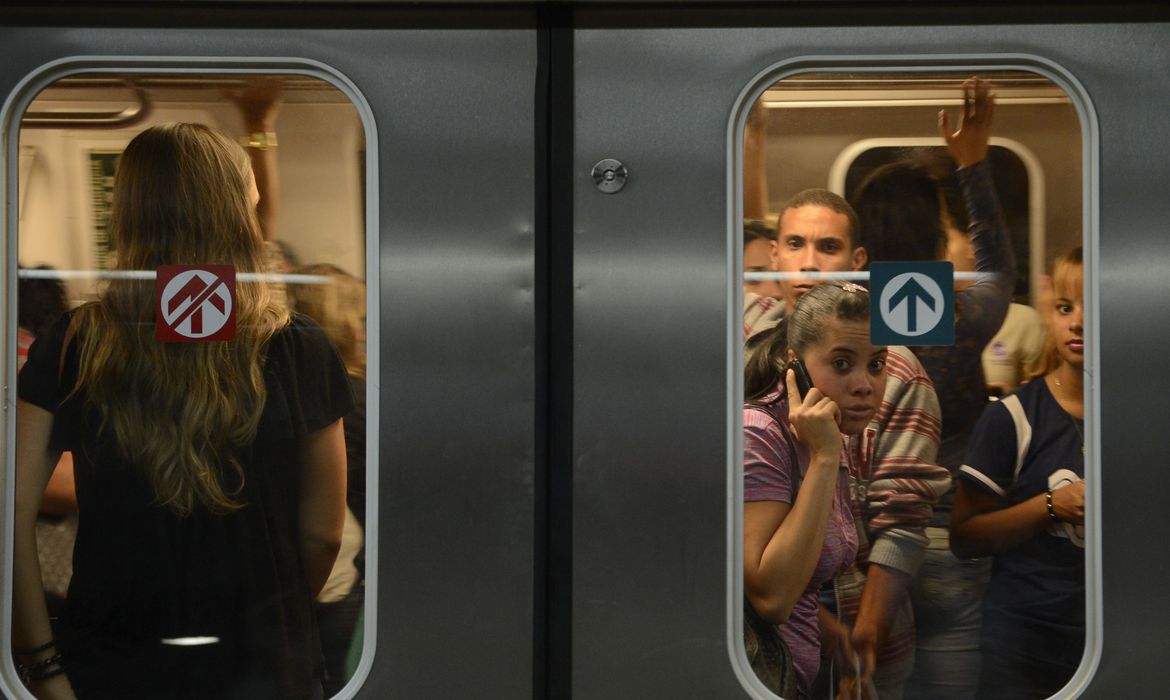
{"points": [[1051, 509], [36, 650], [47, 674], [43, 663], [41, 670]]}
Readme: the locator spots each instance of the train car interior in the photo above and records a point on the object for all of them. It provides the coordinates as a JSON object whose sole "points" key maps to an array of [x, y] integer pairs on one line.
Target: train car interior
{"points": [[310, 173], [858, 135], [867, 120], [74, 129]]}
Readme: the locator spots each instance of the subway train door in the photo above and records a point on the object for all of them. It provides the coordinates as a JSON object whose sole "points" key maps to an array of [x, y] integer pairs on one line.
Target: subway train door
{"points": [[441, 229], [660, 104]]}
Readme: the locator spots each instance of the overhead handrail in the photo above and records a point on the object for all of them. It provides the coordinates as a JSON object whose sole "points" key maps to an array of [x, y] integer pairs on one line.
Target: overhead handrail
{"points": [[29, 273], [131, 115]]}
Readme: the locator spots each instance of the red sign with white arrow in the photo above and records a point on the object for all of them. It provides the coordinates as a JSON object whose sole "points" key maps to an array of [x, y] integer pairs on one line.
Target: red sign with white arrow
{"points": [[195, 303]]}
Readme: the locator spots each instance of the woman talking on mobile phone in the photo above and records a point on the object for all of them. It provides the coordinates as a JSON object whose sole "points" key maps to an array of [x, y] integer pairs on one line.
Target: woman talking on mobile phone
{"points": [[798, 527], [210, 475]]}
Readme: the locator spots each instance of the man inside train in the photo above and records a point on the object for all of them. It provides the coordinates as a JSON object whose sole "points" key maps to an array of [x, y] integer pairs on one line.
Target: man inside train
{"points": [[817, 232], [758, 241], [866, 615]]}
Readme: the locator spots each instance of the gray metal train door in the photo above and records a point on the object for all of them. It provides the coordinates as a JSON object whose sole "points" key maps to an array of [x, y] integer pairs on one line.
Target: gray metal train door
{"points": [[448, 116], [655, 332]]}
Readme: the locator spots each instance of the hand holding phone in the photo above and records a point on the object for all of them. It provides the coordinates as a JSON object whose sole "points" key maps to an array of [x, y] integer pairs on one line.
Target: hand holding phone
{"points": [[816, 424], [803, 381]]}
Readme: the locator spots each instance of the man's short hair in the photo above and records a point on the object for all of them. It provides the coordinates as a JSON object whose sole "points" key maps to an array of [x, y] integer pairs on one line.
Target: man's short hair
{"points": [[819, 197], [756, 230]]}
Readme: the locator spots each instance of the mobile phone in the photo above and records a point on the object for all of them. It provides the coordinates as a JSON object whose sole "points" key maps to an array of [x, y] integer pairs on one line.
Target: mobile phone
{"points": [[803, 381]]}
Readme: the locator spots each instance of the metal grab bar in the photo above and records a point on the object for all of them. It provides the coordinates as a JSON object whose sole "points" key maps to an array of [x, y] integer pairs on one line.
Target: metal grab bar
{"points": [[286, 277], [131, 115]]}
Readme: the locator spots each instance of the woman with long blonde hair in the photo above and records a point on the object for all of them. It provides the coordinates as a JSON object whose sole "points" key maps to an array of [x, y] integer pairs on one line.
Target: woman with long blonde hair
{"points": [[210, 475]]}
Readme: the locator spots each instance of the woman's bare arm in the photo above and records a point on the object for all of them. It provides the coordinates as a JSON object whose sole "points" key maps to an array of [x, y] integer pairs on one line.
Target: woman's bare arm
{"points": [[259, 102], [322, 502], [781, 543], [980, 526], [30, 621]]}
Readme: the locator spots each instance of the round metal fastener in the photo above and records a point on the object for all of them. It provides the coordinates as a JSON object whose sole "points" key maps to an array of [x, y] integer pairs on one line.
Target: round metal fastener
{"points": [[609, 176]]}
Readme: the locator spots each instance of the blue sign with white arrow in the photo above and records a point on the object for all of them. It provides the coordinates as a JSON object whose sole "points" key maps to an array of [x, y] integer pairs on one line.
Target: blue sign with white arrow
{"points": [[912, 303]]}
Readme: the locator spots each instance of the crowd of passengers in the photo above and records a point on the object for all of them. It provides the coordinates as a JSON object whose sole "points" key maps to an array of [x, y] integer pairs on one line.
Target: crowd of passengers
{"points": [[905, 536]]}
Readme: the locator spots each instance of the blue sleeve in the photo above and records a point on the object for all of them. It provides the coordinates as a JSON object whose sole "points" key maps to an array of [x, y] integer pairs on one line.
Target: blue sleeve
{"points": [[983, 306], [992, 451]]}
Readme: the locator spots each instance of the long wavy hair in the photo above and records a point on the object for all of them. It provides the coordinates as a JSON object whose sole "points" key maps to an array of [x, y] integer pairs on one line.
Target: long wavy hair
{"points": [[183, 413]]}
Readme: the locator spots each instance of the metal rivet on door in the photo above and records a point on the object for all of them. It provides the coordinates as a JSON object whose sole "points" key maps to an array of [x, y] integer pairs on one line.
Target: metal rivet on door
{"points": [[609, 176]]}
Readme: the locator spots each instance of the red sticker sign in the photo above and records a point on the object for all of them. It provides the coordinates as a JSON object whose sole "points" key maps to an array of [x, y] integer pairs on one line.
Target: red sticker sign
{"points": [[195, 303]]}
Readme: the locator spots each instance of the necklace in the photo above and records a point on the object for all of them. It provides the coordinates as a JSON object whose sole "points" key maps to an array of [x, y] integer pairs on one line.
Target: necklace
{"points": [[1076, 427], [1080, 435]]}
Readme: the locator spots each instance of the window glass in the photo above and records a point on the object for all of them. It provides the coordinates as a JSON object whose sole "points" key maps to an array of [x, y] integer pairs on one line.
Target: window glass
{"points": [[1012, 186], [195, 435], [923, 500]]}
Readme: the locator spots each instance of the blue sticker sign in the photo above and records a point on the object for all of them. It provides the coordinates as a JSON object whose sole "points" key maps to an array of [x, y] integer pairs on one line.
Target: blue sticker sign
{"points": [[912, 303]]}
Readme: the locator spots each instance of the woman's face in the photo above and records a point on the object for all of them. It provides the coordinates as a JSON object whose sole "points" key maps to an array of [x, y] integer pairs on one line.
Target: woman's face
{"points": [[1068, 319], [850, 370]]}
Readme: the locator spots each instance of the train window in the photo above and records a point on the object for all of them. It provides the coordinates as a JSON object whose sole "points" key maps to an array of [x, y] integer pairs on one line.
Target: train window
{"points": [[917, 503], [191, 324]]}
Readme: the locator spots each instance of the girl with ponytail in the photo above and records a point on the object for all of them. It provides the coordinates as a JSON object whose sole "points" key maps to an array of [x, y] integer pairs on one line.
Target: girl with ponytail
{"points": [[798, 529]]}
